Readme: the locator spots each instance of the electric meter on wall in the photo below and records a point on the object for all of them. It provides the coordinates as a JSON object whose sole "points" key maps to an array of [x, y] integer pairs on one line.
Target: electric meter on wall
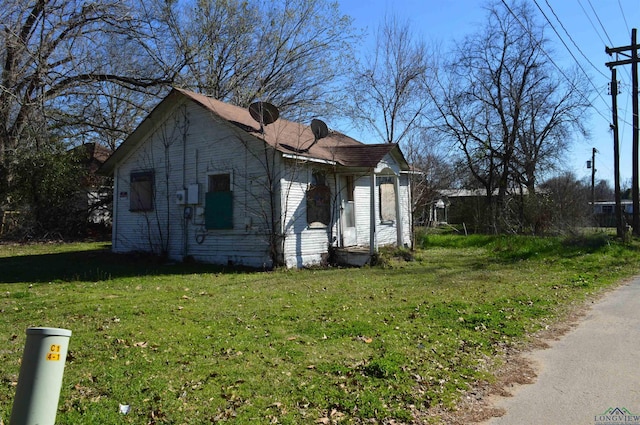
{"points": [[181, 197]]}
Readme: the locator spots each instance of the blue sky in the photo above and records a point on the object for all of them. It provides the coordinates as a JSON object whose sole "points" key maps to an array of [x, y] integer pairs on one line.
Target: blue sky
{"points": [[591, 24]]}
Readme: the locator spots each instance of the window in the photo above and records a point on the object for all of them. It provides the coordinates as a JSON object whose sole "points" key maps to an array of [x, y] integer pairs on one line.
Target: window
{"points": [[349, 195], [318, 178], [219, 183], [219, 202], [348, 205], [318, 201], [141, 191], [387, 199]]}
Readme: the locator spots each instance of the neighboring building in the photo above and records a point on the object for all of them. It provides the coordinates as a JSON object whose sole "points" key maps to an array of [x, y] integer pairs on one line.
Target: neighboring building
{"points": [[467, 206], [459, 206], [609, 207], [202, 179], [96, 192], [605, 212]]}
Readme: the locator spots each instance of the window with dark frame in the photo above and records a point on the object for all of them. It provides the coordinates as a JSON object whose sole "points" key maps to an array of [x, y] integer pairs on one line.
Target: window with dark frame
{"points": [[219, 183], [318, 201], [141, 198]]}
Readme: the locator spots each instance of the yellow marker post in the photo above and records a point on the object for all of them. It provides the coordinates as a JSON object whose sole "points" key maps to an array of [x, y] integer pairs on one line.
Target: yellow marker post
{"points": [[40, 380]]}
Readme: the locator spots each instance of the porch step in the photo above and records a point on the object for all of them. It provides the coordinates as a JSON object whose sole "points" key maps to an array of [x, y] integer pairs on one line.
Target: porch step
{"points": [[356, 256]]}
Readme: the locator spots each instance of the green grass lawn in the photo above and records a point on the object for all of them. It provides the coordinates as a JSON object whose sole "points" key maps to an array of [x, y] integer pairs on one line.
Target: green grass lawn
{"points": [[194, 344]]}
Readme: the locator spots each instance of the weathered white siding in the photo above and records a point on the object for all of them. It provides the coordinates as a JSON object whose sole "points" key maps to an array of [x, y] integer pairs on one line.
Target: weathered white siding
{"points": [[362, 209], [405, 210], [304, 245], [385, 233], [152, 230], [190, 144]]}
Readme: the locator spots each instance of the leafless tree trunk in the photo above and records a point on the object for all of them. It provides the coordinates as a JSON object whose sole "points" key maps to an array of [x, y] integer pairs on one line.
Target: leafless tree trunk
{"points": [[434, 173], [551, 118]]}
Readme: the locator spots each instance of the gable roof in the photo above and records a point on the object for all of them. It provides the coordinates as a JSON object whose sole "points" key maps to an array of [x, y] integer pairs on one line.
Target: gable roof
{"points": [[285, 136]]}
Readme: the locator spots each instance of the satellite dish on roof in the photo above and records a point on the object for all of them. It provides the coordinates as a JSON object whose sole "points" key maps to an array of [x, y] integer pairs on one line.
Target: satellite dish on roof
{"points": [[263, 112], [319, 129]]}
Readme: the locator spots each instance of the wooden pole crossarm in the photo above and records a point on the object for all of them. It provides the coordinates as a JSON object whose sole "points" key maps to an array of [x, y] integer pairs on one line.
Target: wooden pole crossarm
{"points": [[622, 62], [612, 50]]}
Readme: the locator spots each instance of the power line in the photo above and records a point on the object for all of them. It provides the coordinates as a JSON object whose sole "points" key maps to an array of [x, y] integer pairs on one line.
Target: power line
{"points": [[598, 92], [577, 47], [560, 69], [623, 16], [570, 38], [602, 26], [600, 22], [604, 43]]}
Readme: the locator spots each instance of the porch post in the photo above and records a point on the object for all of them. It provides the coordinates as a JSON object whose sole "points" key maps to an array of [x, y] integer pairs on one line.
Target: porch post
{"points": [[399, 215], [339, 211], [372, 214]]}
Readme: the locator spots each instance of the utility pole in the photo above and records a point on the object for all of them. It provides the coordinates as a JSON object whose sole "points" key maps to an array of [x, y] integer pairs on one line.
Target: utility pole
{"points": [[620, 231], [632, 58], [593, 180], [636, 144]]}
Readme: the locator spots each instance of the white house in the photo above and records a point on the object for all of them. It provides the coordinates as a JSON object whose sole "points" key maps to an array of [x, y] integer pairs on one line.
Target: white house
{"points": [[203, 179]]}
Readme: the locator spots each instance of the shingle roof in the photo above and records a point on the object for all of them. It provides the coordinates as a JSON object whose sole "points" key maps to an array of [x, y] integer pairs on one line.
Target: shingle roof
{"points": [[363, 155], [292, 138], [295, 138]]}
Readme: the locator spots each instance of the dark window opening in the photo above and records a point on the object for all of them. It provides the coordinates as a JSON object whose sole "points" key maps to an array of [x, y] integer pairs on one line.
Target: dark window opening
{"points": [[141, 191], [219, 183], [349, 196], [318, 201]]}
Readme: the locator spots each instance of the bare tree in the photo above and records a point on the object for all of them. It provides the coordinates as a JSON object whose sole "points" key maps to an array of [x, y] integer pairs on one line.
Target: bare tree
{"points": [[604, 191], [387, 96], [290, 53], [388, 92], [58, 59], [551, 119], [505, 107], [434, 173], [112, 115]]}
